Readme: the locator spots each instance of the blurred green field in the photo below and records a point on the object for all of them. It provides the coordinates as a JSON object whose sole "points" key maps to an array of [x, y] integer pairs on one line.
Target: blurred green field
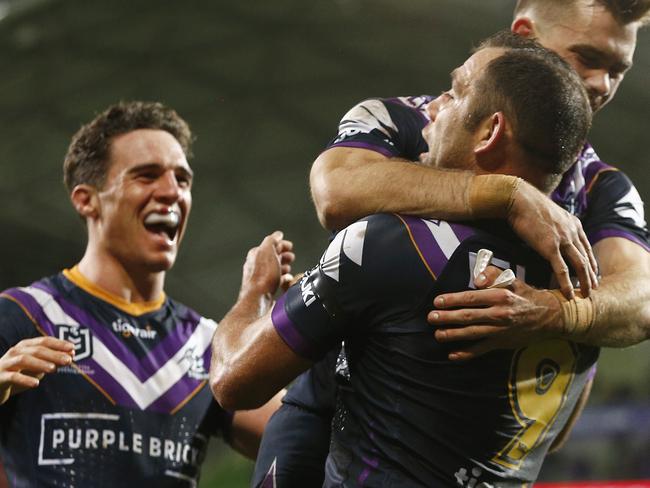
{"points": [[224, 468]]}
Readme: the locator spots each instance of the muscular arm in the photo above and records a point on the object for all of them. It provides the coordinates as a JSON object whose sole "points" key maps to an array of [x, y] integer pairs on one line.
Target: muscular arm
{"points": [[349, 183], [250, 361], [623, 301], [515, 318]]}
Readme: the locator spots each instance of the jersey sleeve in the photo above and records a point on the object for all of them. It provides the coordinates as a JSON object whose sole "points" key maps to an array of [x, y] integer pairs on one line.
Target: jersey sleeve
{"points": [[15, 324], [370, 263], [391, 127], [615, 209]]}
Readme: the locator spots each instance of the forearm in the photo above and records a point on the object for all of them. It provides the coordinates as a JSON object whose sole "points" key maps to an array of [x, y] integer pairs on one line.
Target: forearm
{"points": [[349, 183], [622, 311], [231, 352]]}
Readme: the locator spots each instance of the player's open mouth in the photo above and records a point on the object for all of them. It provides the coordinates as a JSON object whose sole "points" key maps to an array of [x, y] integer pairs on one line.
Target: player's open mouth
{"points": [[167, 222]]}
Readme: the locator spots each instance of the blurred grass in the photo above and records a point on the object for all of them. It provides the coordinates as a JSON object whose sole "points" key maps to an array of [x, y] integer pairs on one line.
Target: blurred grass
{"points": [[223, 467]]}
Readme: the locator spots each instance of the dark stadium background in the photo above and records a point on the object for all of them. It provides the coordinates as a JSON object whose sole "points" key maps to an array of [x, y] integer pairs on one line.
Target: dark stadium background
{"points": [[263, 83]]}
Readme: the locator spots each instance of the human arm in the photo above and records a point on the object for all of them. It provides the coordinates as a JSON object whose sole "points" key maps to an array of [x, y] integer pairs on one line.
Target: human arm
{"points": [[614, 220], [516, 317], [349, 182], [248, 426], [24, 359], [250, 361]]}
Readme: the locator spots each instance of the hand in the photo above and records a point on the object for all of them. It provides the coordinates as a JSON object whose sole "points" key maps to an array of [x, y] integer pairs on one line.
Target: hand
{"points": [[495, 318], [268, 266], [556, 235], [24, 365]]}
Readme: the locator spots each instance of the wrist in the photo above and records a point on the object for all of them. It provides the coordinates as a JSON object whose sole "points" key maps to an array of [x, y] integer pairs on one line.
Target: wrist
{"points": [[577, 315], [492, 196]]}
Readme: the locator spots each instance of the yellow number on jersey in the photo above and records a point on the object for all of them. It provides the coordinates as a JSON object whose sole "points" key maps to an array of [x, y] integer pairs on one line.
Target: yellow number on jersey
{"points": [[540, 378]]}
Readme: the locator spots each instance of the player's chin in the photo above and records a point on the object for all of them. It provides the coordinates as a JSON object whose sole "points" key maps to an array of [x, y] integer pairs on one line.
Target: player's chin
{"points": [[161, 263]]}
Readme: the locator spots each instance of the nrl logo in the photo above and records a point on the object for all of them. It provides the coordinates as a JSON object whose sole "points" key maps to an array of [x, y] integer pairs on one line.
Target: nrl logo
{"points": [[80, 337]]}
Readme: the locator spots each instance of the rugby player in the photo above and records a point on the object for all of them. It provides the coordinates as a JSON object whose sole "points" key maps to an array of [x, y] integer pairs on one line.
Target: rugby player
{"points": [[412, 417], [363, 171], [102, 375]]}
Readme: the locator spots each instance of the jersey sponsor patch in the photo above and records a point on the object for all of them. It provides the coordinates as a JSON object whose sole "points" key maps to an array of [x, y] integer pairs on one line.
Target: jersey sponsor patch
{"points": [[63, 435]]}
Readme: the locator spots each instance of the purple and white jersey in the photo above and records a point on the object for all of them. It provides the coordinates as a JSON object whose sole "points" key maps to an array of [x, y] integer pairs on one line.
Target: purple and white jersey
{"points": [[134, 407], [410, 417], [600, 195]]}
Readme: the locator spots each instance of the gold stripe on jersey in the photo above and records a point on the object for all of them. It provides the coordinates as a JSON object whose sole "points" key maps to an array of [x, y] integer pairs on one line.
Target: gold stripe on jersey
{"points": [[132, 308]]}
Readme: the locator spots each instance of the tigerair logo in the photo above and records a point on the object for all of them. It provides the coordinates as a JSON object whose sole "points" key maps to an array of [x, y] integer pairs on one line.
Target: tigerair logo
{"points": [[121, 326]]}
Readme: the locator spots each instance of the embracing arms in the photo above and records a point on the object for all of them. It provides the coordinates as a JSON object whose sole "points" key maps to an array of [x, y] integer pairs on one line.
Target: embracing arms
{"points": [[348, 183]]}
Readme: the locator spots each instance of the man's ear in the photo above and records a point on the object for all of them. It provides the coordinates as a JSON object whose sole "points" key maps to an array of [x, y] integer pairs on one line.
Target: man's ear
{"points": [[85, 200], [523, 26], [491, 133]]}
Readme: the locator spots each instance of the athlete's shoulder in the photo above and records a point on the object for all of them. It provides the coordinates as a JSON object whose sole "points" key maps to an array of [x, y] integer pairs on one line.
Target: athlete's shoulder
{"points": [[389, 126]]}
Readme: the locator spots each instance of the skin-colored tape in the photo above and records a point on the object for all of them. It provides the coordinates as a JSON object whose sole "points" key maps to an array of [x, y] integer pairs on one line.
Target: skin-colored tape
{"points": [[492, 196], [579, 314]]}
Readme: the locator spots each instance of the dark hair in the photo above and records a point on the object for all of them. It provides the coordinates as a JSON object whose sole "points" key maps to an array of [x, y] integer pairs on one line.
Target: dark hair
{"points": [[86, 160], [624, 11], [541, 96]]}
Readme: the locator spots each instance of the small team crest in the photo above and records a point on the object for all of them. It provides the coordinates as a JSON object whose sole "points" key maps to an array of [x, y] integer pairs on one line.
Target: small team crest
{"points": [[80, 337]]}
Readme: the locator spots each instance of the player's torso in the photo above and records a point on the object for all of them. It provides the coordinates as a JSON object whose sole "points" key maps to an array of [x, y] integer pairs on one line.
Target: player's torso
{"points": [[132, 408], [412, 418]]}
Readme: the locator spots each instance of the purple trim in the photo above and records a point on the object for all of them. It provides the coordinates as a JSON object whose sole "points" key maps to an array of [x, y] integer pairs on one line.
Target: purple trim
{"points": [[143, 367], [109, 384], [34, 309], [365, 145], [462, 231], [602, 234], [371, 464], [173, 397], [426, 244], [288, 331]]}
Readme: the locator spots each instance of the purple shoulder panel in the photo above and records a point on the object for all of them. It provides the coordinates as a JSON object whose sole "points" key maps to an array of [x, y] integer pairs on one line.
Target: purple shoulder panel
{"points": [[288, 331]]}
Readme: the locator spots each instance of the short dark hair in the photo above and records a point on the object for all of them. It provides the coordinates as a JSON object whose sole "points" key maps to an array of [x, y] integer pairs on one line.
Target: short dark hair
{"points": [[541, 96], [86, 160], [624, 11]]}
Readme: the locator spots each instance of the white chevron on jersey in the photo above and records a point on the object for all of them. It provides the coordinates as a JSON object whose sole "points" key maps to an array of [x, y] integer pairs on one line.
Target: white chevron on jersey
{"points": [[143, 394], [631, 207], [350, 242], [444, 236], [51, 309]]}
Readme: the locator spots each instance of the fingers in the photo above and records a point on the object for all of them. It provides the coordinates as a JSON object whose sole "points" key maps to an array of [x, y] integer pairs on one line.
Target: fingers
{"points": [[18, 380], [40, 357], [474, 351], [561, 271], [590, 256], [48, 342], [582, 268], [487, 277], [472, 298], [469, 333], [286, 280]]}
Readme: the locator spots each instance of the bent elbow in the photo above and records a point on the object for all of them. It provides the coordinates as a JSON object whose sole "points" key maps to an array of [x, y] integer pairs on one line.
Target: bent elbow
{"points": [[231, 392]]}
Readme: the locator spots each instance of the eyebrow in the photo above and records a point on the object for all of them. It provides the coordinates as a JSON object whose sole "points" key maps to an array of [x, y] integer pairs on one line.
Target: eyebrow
{"points": [[155, 166], [600, 55]]}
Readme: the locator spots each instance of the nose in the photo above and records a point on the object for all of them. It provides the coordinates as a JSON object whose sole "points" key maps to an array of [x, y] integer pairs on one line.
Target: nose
{"points": [[600, 83], [168, 189], [433, 107]]}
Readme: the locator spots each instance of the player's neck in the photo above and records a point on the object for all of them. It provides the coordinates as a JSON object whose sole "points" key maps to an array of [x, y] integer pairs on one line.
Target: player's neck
{"points": [[131, 285]]}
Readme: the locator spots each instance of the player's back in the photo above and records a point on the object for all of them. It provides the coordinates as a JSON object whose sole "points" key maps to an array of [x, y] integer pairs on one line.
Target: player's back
{"points": [[412, 417]]}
